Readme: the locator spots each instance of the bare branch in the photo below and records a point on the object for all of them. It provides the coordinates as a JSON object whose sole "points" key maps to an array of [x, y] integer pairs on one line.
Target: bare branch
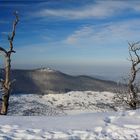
{"points": [[11, 38], [130, 95], [3, 50]]}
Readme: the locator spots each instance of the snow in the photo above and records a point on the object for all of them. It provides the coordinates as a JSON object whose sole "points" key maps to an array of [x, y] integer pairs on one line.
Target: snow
{"points": [[75, 115], [46, 70], [73, 102], [72, 127]]}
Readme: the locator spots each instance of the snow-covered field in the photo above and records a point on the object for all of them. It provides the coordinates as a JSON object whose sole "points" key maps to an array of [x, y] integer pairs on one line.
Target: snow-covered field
{"points": [[85, 126], [72, 116], [61, 104]]}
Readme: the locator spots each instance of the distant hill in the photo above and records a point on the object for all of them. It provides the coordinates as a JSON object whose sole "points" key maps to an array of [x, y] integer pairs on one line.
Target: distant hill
{"points": [[44, 79]]}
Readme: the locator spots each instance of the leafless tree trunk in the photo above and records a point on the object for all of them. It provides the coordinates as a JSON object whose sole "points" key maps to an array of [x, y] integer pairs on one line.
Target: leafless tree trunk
{"points": [[135, 60], [130, 95], [6, 83]]}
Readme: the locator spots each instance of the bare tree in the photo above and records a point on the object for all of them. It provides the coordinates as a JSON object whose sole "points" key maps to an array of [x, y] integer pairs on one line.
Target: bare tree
{"points": [[6, 82], [129, 95]]}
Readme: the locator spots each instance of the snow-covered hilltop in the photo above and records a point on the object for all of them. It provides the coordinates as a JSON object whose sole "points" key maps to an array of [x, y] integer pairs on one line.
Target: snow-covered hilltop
{"points": [[46, 69]]}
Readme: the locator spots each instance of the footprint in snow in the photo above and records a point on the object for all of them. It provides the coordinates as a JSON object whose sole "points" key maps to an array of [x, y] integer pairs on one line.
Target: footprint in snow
{"points": [[110, 119]]}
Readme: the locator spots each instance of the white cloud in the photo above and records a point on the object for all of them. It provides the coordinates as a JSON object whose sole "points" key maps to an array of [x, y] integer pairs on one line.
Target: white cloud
{"points": [[100, 9], [75, 14], [106, 33], [78, 34]]}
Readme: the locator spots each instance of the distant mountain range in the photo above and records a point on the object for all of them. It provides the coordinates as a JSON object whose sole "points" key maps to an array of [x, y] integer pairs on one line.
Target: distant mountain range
{"points": [[45, 79]]}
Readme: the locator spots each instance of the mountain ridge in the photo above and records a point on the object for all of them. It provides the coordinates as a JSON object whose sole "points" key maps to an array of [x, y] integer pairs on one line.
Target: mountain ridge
{"points": [[43, 80]]}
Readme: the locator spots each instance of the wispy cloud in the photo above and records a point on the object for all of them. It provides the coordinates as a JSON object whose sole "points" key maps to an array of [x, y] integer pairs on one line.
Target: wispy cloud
{"points": [[100, 9], [84, 32], [106, 33]]}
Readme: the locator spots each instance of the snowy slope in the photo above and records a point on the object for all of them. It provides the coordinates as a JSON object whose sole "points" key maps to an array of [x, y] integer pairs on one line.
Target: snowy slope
{"points": [[87, 126], [61, 104], [76, 115]]}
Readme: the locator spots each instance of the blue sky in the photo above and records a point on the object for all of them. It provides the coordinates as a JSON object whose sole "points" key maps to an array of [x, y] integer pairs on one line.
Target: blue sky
{"points": [[74, 36]]}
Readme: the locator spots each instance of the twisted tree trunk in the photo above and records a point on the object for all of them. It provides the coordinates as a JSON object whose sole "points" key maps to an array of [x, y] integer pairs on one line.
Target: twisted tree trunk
{"points": [[135, 59], [6, 83], [6, 87], [130, 94]]}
